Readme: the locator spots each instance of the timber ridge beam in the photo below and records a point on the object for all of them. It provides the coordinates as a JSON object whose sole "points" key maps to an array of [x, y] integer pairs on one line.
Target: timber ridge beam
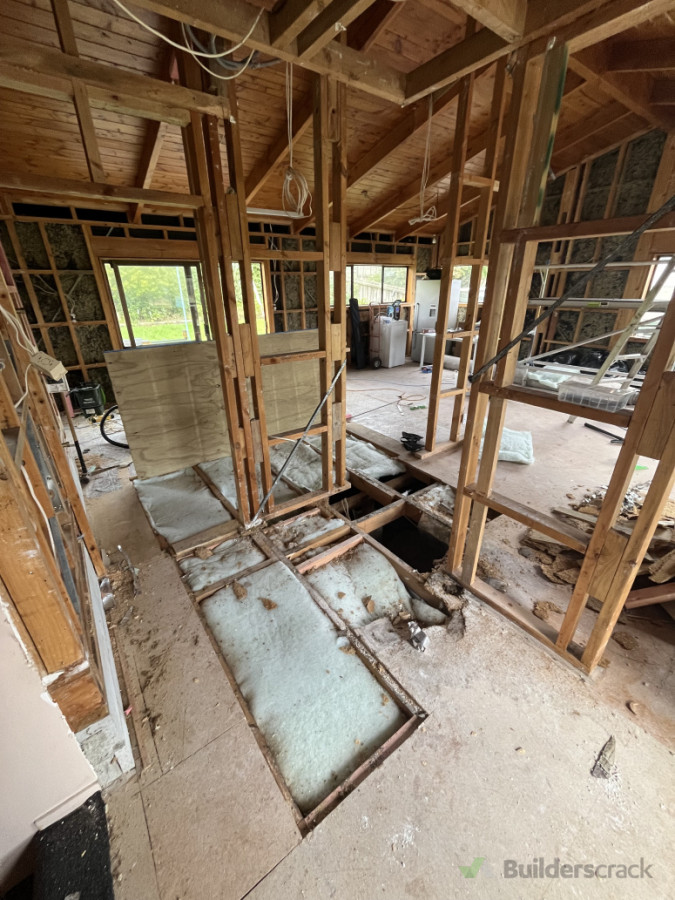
{"points": [[580, 23]]}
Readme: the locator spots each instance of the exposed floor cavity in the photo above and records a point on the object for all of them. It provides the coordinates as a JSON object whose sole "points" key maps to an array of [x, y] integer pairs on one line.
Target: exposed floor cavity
{"points": [[320, 710], [290, 535], [225, 561], [412, 544], [180, 505]]}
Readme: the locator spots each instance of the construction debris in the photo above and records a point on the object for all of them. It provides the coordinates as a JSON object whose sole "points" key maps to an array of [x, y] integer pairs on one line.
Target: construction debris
{"points": [[543, 608], [418, 638], [625, 640], [604, 764]]}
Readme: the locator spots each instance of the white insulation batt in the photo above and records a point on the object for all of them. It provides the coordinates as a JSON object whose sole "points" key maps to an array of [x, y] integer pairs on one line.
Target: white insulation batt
{"points": [[304, 469], [291, 535], [221, 473], [180, 505], [227, 559], [319, 708], [362, 586]]}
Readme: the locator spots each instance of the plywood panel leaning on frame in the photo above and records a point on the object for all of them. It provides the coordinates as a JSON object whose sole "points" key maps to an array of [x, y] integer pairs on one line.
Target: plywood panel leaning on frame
{"points": [[171, 400]]}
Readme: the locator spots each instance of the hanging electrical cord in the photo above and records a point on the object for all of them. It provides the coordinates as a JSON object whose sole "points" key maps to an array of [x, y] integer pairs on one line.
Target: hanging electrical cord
{"points": [[295, 192], [240, 70], [430, 215], [205, 54], [231, 64]]}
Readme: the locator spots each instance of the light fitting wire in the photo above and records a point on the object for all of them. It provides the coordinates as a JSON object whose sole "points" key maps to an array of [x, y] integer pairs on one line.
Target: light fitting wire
{"points": [[431, 213], [177, 46], [295, 192]]}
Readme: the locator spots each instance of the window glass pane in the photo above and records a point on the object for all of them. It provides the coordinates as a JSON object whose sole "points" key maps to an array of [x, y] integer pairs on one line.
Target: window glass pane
{"points": [[394, 284], [163, 302], [378, 284], [258, 296]]}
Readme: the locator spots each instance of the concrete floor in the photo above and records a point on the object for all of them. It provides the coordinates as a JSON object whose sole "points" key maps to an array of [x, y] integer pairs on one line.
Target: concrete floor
{"points": [[500, 770]]}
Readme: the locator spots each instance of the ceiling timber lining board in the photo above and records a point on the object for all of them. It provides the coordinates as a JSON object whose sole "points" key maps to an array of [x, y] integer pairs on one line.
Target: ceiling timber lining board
{"points": [[42, 135]]}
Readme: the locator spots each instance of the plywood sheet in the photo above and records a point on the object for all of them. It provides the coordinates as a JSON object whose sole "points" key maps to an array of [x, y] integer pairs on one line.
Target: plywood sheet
{"points": [[172, 405]]}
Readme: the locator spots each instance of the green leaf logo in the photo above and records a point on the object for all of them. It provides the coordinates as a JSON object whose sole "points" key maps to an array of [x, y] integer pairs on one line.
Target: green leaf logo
{"points": [[472, 870]]}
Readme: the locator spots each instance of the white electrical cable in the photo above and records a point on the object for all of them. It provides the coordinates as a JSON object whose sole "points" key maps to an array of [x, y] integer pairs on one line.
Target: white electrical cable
{"points": [[224, 77], [39, 506], [430, 215], [295, 193], [19, 333], [188, 49]]}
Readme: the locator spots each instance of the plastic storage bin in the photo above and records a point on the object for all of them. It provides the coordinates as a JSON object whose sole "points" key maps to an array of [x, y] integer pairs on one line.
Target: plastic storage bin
{"points": [[595, 396]]}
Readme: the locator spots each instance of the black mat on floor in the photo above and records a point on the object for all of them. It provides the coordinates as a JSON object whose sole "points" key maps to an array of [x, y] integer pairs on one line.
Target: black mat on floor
{"points": [[73, 856]]}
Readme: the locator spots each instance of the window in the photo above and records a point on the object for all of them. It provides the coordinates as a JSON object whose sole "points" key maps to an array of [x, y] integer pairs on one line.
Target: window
{"points": [[164, 303], [376, 284], [258, 296], [158, 304]]}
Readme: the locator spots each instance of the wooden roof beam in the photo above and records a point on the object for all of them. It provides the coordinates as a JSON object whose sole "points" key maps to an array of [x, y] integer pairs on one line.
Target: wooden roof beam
{"points": [[401, 196], [154, 139], [579, 23], [278, 151], [293, 17], [505, 17], [328, 24], [366, 29], [235, 18], [38, 185], [85, 121], [412, 122], [34, 69], [663, 92], [641, 56], [632, 90]]}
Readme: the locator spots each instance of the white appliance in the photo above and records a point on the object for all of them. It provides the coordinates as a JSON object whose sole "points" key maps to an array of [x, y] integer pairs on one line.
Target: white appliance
{"points": [[393, 334], [426, 312]]}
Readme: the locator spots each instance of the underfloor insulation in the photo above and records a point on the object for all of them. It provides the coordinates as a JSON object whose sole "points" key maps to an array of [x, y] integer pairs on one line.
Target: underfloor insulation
{"points": [[321, 711], [293, 642]]}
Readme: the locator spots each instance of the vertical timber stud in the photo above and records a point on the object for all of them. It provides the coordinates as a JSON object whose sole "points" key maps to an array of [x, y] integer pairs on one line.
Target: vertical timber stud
{"points": [[30, 574], [338, 263], [322, 157], [229, 245], [522, 133], [195, 158], [239, 223], [205, 176], [515, 299], [449, 250], [480, 237], [652, 415]]}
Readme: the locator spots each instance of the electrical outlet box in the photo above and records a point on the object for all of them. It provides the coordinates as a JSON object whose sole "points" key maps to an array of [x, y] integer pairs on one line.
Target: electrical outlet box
{"points": [[48, 365]]}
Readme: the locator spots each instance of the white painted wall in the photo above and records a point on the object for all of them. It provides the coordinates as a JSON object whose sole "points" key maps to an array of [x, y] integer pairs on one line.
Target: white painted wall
{"points": [[43, 773]]}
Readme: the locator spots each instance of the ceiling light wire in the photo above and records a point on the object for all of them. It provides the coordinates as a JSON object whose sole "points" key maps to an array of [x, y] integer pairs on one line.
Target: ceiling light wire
{"points": [[295, 193], [430, 215]]}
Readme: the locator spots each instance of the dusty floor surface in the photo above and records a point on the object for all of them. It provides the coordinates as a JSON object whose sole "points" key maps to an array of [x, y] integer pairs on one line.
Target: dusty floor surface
{"points": [[499, 771]]}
